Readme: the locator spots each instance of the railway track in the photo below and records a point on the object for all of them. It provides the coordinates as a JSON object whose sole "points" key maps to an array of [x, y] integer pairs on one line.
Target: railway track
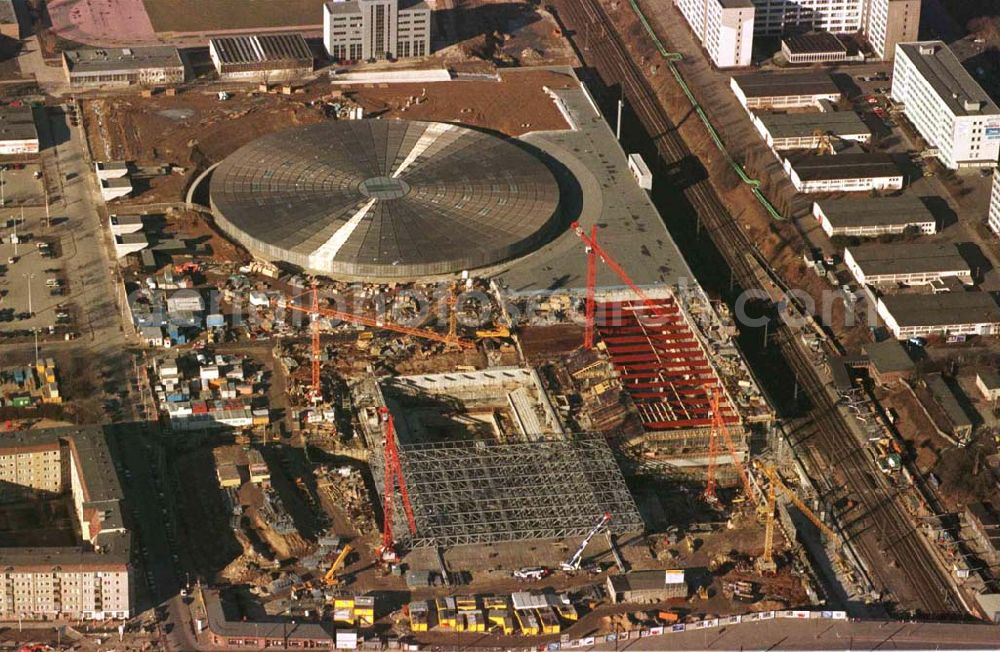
{"points": [[883, 532]]}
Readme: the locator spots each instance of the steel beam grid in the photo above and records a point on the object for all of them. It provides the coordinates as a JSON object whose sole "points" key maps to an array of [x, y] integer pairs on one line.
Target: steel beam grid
{"points": [[476, 492], [663, 367]]}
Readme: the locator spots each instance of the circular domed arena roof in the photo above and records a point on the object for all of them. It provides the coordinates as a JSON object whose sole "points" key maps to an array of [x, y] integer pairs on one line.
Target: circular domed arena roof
{"points": [[385, 199]]}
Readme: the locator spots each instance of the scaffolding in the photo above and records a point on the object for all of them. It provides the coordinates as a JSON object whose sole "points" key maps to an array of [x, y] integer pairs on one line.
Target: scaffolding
{"points": [[480, 492]]}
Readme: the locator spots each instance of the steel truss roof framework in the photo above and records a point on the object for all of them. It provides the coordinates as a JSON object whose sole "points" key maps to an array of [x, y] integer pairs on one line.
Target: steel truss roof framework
{"points": [[476, 492], [662, 365]]}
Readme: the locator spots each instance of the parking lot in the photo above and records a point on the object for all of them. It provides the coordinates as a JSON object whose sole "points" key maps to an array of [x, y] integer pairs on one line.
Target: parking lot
{"points": [[20, 185], [35, 291]]}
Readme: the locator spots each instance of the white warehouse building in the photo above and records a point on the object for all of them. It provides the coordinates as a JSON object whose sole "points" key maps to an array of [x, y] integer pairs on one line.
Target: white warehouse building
{"points": [[946, 105], [784, 131], [953, 313], [843, 173], [784, 90], [868, 217], [724, 27], [908, 263]]}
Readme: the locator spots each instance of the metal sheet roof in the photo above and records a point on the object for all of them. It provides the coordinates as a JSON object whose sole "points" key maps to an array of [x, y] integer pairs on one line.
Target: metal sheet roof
{"points": [[374, 198]]}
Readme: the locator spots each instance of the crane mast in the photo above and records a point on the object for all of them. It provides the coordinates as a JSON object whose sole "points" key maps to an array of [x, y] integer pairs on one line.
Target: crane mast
{"points": [[393, 476], [775, 483]]}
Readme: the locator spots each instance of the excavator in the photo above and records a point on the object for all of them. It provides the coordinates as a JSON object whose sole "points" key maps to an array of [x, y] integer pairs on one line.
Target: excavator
{"points": [[331, 579]]}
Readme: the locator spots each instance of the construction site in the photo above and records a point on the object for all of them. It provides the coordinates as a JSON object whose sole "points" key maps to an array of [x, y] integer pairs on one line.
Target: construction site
{"points": [[468, 378]]}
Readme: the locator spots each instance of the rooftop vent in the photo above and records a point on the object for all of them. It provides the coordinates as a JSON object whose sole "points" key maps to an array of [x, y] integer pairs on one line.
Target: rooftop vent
{"points": [[928, 49], [973, 105]]}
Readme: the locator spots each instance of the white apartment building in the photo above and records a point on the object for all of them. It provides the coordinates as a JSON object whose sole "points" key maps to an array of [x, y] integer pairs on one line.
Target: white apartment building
{"points": [[778, 17], [89, 580], [724, 27], [890, 22], [994, 215], [361, 30], [883, 22], [946, 105]]}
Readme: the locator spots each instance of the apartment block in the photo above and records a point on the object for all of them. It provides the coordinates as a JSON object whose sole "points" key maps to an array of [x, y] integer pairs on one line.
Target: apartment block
{"points": [[362, 30], [946, 105], [993, 219], [724, 27], [91, 580], [890, 22], [883, 22], [779, 17]]}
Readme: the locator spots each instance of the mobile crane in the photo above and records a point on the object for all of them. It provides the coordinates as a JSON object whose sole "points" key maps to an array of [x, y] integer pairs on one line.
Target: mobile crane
{"points": [[573, 563], [331, 579]]}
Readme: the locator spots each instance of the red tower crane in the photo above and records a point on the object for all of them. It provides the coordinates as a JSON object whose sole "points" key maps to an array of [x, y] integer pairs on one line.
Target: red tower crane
{"points": [[595, 251], [317, 388], [393, 476], [315, 312], [716, 396], [721, 430]]}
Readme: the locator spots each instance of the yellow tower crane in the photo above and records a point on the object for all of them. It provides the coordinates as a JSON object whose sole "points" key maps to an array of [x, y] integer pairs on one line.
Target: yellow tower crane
{"points": [[766, 561]]}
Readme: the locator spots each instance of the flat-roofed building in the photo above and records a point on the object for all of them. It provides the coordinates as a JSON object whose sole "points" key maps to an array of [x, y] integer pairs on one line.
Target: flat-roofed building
{"points": [[18, 134], [946, 399], [362, 30], [263, 58], [871, 217], [908, 263], [946, 105], [724, 27], [814, 47], [843, 173], [888, 362], [988, 382], [143, 66], [782, 131], [92, 580], [993, 217], [647, 586], [11, 25], [950, 313], [784, 90]]}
